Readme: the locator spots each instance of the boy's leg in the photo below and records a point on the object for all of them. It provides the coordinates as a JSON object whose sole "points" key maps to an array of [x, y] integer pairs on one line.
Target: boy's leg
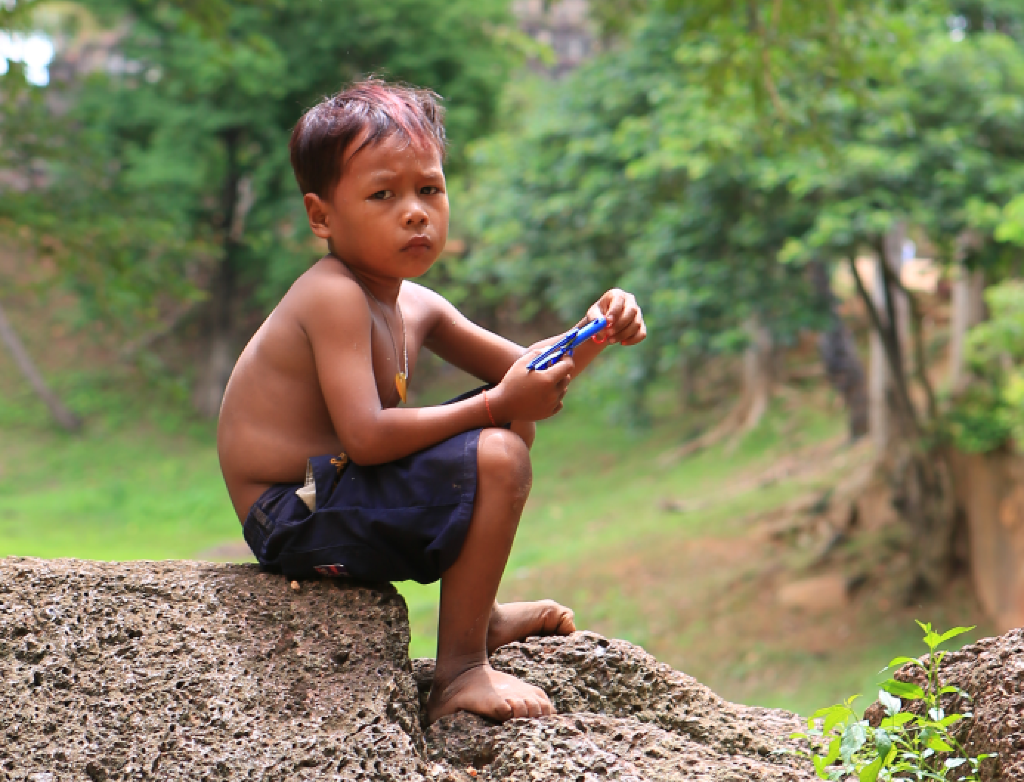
{"points": [[517, 621], [463, 679]]}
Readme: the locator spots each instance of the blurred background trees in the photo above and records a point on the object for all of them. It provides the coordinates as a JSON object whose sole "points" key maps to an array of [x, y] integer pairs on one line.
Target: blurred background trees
{"points": [[760, 173], [182, 114]]}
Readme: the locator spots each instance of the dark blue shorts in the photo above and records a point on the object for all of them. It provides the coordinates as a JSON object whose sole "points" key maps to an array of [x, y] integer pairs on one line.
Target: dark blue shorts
{"points": [[400, 521]]}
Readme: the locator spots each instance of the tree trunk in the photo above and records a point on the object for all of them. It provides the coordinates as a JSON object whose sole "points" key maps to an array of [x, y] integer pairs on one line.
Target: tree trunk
{"points": [[838, 353], [891, 305], [967, 309], [60, 413], [757, 373], [237, 199], [919, 476]]}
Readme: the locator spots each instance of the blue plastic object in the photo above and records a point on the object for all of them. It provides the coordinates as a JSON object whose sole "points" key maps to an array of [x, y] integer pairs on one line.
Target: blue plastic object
{"points": [[566, 345]]}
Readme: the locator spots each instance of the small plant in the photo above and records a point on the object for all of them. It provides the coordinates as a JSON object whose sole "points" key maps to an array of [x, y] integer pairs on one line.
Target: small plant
{"points": [[907, 745]]}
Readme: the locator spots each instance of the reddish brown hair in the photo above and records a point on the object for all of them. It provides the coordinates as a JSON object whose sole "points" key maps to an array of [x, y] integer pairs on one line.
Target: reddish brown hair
{"points": [[372, 106]]}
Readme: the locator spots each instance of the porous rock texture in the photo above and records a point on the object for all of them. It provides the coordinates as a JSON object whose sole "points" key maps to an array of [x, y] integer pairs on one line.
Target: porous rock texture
{"points": [[991, 672], [195, 671]]}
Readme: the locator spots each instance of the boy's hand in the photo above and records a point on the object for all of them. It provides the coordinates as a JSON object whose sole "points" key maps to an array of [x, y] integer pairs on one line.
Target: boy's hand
{"points": [[625, 320], [531, 395]]}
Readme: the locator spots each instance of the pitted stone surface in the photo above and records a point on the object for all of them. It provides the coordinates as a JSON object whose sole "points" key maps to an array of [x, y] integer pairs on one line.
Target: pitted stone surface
{"points": [[178, 670], [991, 672], [189, 671], [622, 715]]}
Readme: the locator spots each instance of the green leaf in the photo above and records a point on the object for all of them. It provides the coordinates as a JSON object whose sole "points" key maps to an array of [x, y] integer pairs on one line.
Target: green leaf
{"points": [[954, 633], [820, 766], [899, 719], [870, 772], [903, 661], [854, 737], [833, 719], [904, 690], [938, 744], [891, 703], [883, 744], [833, 751]]}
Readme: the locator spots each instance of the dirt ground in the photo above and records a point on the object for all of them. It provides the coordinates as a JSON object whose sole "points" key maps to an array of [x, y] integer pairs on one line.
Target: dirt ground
{"points": [[782, 608]]}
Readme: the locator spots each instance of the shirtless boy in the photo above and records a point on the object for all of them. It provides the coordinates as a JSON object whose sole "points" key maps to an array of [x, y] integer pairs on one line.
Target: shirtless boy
{"points": [[328, 473]]}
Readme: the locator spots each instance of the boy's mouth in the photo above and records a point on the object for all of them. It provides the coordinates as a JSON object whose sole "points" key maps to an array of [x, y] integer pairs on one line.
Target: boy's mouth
{"points": [[420, 240]]}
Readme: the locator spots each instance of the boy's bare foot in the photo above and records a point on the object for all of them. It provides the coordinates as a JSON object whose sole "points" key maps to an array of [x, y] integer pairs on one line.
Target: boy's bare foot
{"points": [[517, 621], [489, 693]]}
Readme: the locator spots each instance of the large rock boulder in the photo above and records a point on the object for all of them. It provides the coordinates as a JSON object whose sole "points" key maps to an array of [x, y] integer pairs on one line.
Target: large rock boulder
{"points": [[180, 670]]}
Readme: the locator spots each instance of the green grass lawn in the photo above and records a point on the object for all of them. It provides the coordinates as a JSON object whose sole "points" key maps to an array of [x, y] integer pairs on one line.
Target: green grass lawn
{"points": [[595, 534]]}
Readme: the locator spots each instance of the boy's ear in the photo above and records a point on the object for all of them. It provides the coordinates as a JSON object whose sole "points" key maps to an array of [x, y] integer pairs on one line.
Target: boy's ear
{"points": [[316, 211]]}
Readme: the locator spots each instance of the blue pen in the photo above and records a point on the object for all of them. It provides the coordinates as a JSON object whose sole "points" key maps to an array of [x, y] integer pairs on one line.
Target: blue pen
{"points": [[566, 345]]}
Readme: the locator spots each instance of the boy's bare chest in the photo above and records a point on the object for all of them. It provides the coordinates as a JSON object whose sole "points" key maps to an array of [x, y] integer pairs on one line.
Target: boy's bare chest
{"points": [[394, 351]]}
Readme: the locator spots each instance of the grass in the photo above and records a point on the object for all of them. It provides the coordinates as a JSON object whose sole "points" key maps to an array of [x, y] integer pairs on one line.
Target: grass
{"points": [[696, 588]]}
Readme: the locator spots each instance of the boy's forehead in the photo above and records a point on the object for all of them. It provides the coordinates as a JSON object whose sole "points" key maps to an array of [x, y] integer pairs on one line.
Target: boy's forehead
{"points": [[391, 154]]}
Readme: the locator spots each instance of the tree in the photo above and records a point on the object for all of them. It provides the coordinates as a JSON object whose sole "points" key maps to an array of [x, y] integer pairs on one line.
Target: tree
{"points": [[623, 175], [723, 148], [187, 130], [937, 148]]}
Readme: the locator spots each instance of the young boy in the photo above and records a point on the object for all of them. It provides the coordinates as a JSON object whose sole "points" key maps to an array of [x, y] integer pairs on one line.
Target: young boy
{"points": [[328, 474]]}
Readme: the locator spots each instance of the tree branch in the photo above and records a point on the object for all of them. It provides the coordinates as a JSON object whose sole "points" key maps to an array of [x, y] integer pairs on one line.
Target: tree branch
{"points": [[61, 414], [766, 62], [920, 366], [891, 355]]}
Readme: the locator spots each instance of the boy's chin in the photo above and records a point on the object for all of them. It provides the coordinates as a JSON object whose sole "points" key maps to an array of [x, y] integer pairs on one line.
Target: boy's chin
{"points": [[416, 267]]}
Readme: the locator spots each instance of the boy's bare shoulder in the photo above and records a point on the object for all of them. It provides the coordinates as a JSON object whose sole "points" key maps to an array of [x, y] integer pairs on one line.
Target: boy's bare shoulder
{"points": [[326, 295], [430, 302]]}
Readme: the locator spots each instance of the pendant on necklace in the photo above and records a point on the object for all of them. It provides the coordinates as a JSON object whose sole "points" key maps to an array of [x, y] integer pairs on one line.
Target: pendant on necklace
{"points": [[400, 384]]}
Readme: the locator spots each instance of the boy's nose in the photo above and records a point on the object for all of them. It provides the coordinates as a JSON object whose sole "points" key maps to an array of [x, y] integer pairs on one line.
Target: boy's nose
{"points": [[416, 215]]}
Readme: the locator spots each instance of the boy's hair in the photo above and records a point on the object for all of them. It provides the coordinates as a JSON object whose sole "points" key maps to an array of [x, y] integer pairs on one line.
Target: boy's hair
{"points": [[323, 133]]}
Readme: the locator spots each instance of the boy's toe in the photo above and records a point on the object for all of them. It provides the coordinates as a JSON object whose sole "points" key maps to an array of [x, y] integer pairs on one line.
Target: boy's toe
{"points": [[567, 623]]}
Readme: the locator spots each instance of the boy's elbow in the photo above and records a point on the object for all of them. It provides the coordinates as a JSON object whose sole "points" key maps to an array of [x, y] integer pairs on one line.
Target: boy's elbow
{"points": [[365, 451]]}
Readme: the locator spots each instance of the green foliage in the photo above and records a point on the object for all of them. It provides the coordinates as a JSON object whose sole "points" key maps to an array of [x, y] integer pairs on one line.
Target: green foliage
{"points": [[623, 175], [133, 173], [721, 146], [991, 409], [919, 742]]}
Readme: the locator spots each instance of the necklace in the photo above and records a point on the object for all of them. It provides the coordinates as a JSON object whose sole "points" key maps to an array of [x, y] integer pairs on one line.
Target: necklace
{"points": [[402, 377]]}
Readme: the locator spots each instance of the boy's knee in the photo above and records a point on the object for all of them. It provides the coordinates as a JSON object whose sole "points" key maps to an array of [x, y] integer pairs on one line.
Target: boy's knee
{"points": [[526, 430], [503, 461]]}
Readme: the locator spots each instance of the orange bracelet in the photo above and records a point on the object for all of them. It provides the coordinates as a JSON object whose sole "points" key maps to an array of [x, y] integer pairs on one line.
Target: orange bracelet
{"points": [[488, 406]]}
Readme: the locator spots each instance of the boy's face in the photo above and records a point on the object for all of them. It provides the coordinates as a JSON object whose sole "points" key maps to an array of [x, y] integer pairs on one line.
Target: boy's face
{"points": [[388, 214]]}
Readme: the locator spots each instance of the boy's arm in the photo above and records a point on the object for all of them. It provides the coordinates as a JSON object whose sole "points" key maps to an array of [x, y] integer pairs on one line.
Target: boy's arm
{"points": [[485, 355], [462, 343], [336, 319]]}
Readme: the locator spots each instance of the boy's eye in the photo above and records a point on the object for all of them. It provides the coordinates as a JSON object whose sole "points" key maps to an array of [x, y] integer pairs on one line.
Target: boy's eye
{"points": [[430, 190], [381, 195]]}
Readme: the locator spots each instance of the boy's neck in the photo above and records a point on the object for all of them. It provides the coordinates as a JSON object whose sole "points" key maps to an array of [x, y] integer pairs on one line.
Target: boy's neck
{"points": [[383, 289]]}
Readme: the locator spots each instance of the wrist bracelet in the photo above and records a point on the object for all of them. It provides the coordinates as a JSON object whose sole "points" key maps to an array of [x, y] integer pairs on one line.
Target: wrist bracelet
{"points": [[487, 404]]}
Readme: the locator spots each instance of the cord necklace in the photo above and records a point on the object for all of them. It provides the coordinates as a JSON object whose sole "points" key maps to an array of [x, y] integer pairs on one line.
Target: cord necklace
{"points": [[401, 377]]}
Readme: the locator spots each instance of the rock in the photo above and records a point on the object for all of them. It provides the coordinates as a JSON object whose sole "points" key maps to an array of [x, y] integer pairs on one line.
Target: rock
{"points": [[179, 670], [622, 715], [991, 672], [190, 671]]}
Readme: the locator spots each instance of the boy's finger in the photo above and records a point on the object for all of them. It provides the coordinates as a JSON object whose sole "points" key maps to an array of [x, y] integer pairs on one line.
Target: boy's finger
{"points": [[615, 306], [629, 334], [628, 319], [565, 368]]}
